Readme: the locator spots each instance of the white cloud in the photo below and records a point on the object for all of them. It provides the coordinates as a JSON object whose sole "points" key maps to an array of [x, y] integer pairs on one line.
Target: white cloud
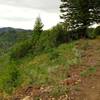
{"points": [[23, 17], [47, 5]]}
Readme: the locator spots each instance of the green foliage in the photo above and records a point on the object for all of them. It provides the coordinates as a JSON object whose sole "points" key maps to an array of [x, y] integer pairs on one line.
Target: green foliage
{"points": [[90, 33], [59, 34], [40, 69], [21, 49], [44, 42], [41, 42], [10, 78], [97, 30], [51, 38], [80, 13], [74, 35], [38, 26], [35, 75], [50, 54], [93, 33], [53, 54], [9, 39], [68, 54], [37, 30]]}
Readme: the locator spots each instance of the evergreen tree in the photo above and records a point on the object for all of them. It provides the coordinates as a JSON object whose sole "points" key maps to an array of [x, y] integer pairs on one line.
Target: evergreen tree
{"points": [[38, 28], [80, 13]]}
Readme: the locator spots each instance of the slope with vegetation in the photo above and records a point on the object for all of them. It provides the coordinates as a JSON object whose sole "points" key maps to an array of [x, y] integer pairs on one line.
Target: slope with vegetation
{"points": [[51, 70], [9, 36], [61, 63]]}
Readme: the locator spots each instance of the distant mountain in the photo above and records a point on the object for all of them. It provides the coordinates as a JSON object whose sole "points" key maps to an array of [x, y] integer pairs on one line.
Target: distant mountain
{"points": [[9, 36], [10, 29]]}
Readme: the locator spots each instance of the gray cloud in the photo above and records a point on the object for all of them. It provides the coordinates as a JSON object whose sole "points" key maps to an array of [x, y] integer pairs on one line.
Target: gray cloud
{"points": [[47, 5], [18, 19]]}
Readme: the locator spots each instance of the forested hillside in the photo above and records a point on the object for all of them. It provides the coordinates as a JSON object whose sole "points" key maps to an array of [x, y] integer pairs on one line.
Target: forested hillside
{"points": [[9, 36]]}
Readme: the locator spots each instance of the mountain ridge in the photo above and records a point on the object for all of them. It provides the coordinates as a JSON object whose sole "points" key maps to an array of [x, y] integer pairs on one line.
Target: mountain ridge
{"points": [[7, 29]]}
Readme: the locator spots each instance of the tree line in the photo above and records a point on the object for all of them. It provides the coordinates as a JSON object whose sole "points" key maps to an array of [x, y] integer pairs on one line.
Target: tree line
{"points": [[80, 14], [77, 16]]}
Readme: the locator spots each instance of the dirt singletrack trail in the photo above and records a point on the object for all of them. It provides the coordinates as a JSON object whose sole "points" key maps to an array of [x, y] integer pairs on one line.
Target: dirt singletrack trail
{"points": [[89, 89]]}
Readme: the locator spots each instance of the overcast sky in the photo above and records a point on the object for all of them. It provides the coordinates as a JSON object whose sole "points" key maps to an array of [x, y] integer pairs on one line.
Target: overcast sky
{"points": [[22, 13]]}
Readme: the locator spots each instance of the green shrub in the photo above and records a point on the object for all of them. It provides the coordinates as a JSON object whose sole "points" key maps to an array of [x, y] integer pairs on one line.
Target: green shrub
{"points": [[59, 34], [90, 33], [70, 35], [44, 41], [40, 42], [21, 49], [10, 78], [50, 38], [97, 30], [74, 34], [53, 54]]}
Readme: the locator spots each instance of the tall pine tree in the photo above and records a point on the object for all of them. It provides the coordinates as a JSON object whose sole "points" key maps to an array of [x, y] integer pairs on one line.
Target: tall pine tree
{"points": [[80, 13], [38, 29]]}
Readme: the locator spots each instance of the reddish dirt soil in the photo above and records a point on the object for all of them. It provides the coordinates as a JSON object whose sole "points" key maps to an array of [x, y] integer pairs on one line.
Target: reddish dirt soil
{"points": [[89, 88]]}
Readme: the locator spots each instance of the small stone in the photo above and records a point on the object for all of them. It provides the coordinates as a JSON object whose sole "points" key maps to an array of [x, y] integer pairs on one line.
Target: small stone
{"points": [[93, 87], [27, 98]]}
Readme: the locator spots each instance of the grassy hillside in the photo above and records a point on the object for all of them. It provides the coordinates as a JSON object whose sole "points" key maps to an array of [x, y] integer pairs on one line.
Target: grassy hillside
{"points": [[72, 69], [49, 67], [38, 67]]}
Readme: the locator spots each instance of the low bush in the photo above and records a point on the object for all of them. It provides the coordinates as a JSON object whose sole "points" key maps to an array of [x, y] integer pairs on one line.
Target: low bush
{"points": [[97, 30], [10, 78], [50, 38], [90, 33], [75, 34], [21, 49], [53, 54]]}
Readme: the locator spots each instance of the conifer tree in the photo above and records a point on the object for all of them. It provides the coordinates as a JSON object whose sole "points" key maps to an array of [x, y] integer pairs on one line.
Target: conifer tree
{"points": [[38, 28], [80, 13]]}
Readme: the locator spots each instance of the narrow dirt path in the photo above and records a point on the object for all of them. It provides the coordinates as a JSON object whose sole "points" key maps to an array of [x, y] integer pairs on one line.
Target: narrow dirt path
{"points": [[89, 89]]}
